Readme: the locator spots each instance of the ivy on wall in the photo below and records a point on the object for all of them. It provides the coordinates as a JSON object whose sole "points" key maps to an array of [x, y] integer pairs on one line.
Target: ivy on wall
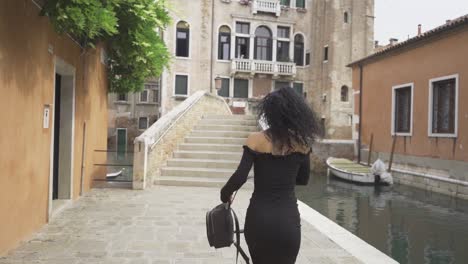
{"points": [[131, 30]]}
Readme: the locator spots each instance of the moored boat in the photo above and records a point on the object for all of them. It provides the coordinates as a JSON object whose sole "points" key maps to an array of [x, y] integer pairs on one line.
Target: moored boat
{"points": [[350, 171], [114, 175]]}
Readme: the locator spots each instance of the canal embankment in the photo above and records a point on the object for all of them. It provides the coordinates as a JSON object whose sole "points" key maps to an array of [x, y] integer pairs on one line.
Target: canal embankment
{"points": [[449, 177]]}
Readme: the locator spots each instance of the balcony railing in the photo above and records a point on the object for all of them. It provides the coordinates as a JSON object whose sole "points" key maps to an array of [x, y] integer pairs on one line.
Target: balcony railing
{"points": [[267, 6], [263, 67]]}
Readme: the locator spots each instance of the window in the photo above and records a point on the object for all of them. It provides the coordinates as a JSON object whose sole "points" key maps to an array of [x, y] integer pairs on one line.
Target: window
{"points": [[299, 88], [143, 123], [282, 51], [325, 53], [346, 17], [402, 109], [181, 85], [153, 87], [156, 96], [224, 43], [242, 48], [281, 84], [285, 2], [344, 93], [299, 50], [300, 3], [144, 96], [307, 62], [242, 28], [443, 106], [122, 97], [241, 88], [224, 91], [263, 44], [283, 32], [183, 39]]}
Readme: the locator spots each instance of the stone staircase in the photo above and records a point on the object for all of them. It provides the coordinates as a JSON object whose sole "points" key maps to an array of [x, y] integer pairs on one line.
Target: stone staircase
{"points": [[211, 152]]}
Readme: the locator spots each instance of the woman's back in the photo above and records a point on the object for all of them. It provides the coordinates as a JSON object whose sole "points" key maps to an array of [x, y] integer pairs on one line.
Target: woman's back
{"points": [[276, 175], [280, 159], [272, 224]]}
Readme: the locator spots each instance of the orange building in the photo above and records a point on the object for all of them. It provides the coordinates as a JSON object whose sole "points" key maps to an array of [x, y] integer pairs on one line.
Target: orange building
{"points": [[416, 91], [49, 90]]}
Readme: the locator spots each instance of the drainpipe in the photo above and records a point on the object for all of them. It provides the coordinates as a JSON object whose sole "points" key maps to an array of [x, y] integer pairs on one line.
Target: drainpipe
{"points": [[360, 113], [211, 50]]}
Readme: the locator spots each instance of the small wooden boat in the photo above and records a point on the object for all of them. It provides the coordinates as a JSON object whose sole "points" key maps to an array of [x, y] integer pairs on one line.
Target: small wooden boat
{"points": [[114, 175], [350, 171]]}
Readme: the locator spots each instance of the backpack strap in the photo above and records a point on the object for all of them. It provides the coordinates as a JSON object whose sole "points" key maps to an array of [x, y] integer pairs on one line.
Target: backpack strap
{"points": [[237, 242]]}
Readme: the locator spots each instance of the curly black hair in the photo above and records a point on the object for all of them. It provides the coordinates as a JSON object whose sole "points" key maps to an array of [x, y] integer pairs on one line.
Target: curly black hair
{"points": [[290, 119]]}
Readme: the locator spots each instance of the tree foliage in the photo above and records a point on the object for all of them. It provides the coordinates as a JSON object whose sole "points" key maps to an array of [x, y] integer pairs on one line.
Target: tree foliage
{"points": [[130, 28]]}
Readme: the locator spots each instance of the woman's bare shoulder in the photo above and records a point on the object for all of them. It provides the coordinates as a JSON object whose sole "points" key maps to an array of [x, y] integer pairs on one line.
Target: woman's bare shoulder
{"points": [[257, 141]]}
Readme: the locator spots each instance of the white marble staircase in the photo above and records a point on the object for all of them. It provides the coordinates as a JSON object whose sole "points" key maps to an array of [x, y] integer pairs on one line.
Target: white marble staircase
{"points": [[211, 152]]}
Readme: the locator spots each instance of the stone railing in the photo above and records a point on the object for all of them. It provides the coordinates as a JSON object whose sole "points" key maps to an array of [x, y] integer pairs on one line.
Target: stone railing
{"points": [[263, 67], [267, 6], [157, 143]]}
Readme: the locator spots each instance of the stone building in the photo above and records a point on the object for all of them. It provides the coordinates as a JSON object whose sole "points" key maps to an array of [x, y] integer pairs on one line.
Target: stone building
{"points": [[131, 114], [53, 110], [413, 101], [260, 45]]}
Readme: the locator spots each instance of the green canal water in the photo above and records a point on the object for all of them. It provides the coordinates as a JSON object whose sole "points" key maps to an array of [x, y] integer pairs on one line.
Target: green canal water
{"points": [[410, 225]]}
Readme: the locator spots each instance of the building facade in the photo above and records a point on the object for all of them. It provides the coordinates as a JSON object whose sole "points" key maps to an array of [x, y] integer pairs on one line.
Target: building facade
{"points": [[131, 114], [413, 93], [54, 111], [261, 45]]}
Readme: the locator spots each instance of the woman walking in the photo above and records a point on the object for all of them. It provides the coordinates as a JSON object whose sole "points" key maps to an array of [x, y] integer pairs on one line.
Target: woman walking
{"points": [[280, 156]]}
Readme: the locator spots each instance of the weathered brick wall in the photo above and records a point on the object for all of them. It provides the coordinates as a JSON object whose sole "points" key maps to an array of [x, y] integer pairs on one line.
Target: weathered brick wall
{"points": [[163, 150]]}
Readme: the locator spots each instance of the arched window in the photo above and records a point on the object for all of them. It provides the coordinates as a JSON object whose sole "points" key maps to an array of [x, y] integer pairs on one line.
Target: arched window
{"points": [[224, 43], [182, 39], [344, 93], [263, 44], [346, 17], [299, 50]]}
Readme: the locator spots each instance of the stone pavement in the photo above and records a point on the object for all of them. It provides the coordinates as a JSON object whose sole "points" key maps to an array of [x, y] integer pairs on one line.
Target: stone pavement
{"points": [[161, 225]]}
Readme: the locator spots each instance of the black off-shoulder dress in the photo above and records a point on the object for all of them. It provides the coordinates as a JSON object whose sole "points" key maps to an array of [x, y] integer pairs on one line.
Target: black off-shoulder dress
{"points": [[272, 224]]}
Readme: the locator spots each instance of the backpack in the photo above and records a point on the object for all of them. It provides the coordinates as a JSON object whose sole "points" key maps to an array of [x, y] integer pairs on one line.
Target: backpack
{"points": [[220, 223]]}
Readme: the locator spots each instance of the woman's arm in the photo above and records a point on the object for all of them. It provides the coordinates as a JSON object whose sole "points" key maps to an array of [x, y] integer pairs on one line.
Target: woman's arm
{"points": [[304, 172], [240, 175]]}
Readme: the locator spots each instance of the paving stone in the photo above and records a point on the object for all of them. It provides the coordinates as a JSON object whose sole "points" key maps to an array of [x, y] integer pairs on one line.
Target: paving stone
{"points": [[161, 225]]}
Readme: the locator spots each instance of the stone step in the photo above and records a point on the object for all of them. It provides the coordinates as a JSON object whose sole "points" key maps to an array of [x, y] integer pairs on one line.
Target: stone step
{"points": [[215, 140], [241, 117], [210, 133], [197, 182], [213, 155], [237, 122], [203, 163], [227, 128], [211, 147], [197, 172]]}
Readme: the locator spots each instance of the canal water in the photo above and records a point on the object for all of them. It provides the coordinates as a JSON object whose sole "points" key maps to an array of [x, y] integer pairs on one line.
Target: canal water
{"points": [[410, 225]]}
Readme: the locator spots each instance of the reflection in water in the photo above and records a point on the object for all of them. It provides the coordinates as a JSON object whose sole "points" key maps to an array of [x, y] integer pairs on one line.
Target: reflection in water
{"points": [[410, 225]]}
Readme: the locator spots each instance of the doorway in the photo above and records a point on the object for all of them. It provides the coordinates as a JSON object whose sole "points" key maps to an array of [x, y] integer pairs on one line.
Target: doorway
{"points": [[61, 178]]}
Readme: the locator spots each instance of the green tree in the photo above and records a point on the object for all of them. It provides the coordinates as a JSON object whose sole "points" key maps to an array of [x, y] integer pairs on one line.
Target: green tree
{"points": [[130, 28]]}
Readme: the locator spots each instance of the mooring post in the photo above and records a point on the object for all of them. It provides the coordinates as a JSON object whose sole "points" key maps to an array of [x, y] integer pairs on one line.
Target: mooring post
{"points": [[391, 154]]}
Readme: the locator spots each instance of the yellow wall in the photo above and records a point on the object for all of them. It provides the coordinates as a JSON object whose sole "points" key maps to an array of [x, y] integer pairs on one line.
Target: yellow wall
{"points": [[27, 74], [442, 57]]}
